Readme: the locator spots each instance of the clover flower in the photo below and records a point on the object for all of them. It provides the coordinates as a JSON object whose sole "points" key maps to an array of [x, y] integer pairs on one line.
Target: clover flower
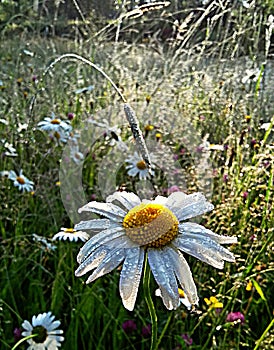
{"points": [[132, 228], [235, 317], [21, 181], [129, 326], [48, 337]]}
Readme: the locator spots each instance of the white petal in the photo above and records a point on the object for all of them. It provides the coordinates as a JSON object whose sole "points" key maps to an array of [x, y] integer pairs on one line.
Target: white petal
{"points": [[184, 275], [133, 172], [53, 325], [164, 276], [27, 326], [96, 224], [96, 241], [110, 262], [195, 204], [130, 276], [160, 200], [175, 200], [128, 199], [108, 210], [93, 261], [12, 175], [56, 331], [204, 249], [194, 228], [143, 174]]}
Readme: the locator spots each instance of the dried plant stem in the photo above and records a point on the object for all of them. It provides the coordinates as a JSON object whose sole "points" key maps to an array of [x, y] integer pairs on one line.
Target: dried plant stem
{"points": [[88, 62], [130, 114]]}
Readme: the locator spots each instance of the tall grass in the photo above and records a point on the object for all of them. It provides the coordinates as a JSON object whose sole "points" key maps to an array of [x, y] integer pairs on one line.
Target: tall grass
{"points": [[208, 83]]}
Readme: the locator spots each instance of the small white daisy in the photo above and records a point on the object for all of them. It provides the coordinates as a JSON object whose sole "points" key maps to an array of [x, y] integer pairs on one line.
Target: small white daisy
{"points": [[138, 167], [48, 337], [10, 151], [132, 228], [54, 124], [71, 234], [112, 133], [21, 181], [75, 154]]}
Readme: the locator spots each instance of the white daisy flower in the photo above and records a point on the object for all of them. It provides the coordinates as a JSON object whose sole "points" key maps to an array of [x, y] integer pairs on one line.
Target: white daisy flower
{"points": [[137, 167], [21, 181], [10, 151], [112, 133], [61, 136], [75, 154], [132, 228], [54, 124], [48, 337], [71, 234]]}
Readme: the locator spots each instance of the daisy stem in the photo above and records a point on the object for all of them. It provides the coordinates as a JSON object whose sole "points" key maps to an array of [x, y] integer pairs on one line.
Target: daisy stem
{"points": [[151, 308], [23, 339]]}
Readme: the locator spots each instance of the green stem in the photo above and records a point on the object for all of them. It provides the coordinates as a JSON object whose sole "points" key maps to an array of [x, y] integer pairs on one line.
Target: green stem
{"points": [[151, 308], [23, 339], [264, 334], [164, 330]]}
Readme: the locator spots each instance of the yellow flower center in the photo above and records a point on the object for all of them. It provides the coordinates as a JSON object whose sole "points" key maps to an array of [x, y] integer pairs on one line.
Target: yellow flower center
{"points": [[151, 225], [20, 180], [69, 230], [55, 121], [141, 165]]}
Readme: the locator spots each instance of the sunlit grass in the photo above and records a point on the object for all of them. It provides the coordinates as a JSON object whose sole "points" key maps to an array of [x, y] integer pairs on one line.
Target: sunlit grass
{"points": [[189, 102]]}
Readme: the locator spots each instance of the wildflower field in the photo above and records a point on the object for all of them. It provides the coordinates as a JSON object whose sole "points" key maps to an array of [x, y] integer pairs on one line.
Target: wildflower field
{"points": [[136, 175]]}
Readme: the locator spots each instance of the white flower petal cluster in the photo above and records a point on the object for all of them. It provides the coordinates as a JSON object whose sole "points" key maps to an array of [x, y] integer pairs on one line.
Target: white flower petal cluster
{"points": [[70, 234], [52, 337], [111, 245]]}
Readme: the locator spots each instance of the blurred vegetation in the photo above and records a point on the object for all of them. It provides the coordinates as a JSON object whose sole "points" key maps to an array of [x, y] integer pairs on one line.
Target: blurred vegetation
{"points": [[201, 74]]}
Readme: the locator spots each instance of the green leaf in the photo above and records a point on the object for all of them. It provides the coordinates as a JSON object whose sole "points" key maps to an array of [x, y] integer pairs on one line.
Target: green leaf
{"points": [[258, 289]]}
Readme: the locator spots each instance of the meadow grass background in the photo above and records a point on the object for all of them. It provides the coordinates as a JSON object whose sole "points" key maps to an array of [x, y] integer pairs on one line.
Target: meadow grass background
{"points": [[211, 73]]}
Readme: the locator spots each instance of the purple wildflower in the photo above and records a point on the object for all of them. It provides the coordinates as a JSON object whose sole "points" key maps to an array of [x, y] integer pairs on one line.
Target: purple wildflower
{"points": [[225, 178], [245, 195], [173, 188], [146, 331], [17, 334], [129, 326], [188, 341], [235, 316], [70, 115]]}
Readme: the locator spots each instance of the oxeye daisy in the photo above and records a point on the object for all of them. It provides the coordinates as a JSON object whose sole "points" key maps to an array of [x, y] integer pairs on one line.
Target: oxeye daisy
{"points": [[71, 234], [75, 154], [54, 124], [21, 181], [132, 228], [137, 166], [48, 337]]}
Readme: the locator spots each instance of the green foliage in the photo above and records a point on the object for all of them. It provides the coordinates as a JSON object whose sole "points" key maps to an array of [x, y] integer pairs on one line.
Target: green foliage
{"points": [[208, 86]]}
